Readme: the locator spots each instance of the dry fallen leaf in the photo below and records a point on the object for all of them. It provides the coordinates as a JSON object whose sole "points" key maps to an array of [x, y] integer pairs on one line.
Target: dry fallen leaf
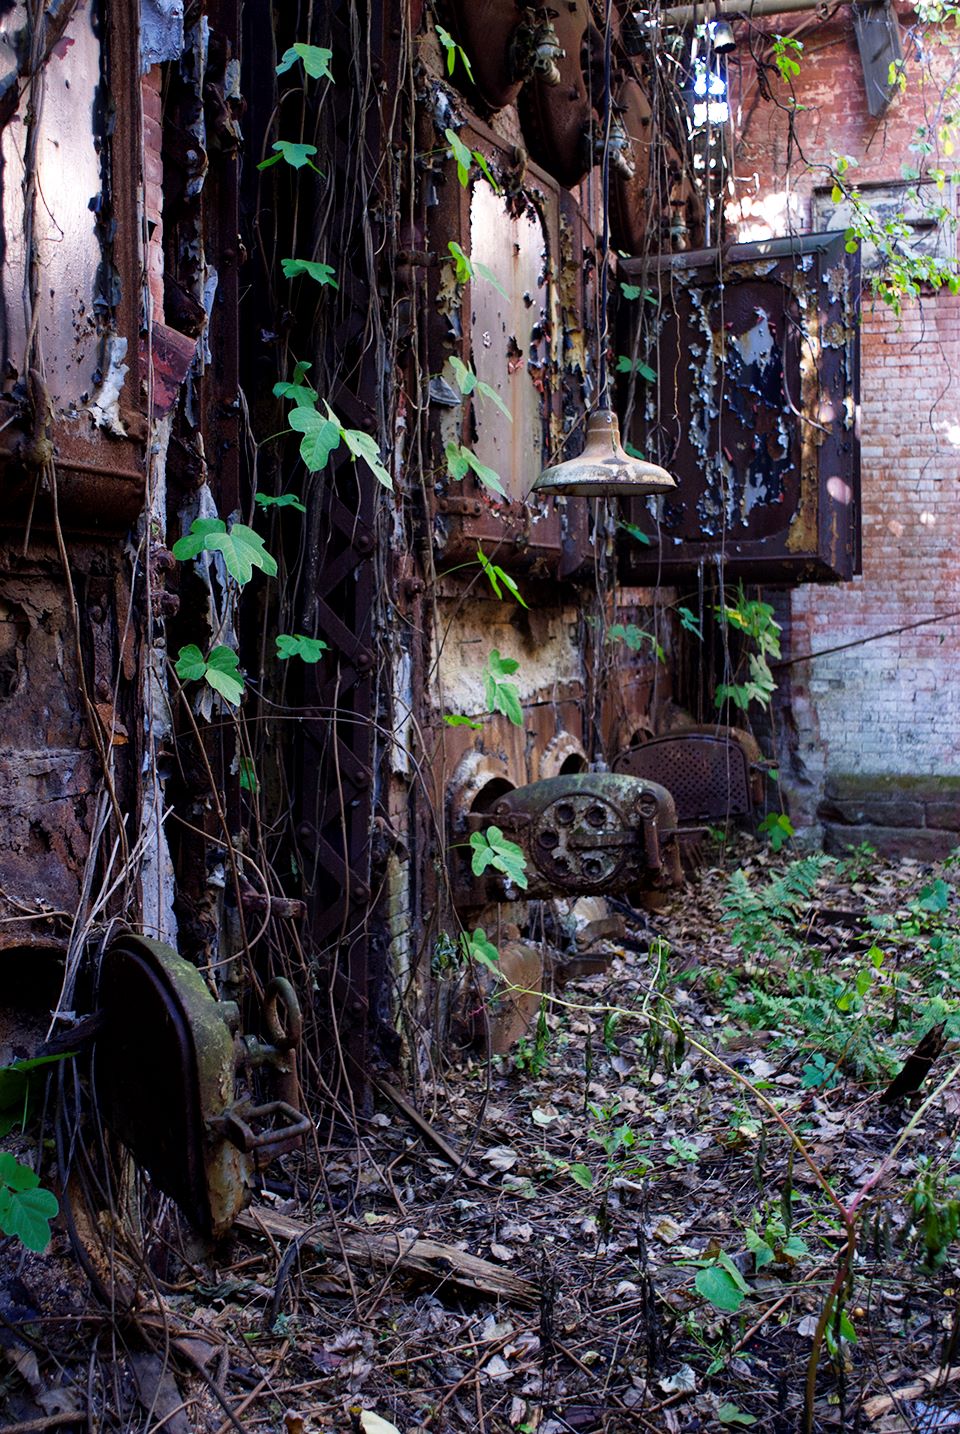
{"points": [[371, 1423]]}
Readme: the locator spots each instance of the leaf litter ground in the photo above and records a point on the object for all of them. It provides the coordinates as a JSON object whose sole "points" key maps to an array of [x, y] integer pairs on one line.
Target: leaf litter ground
{"points": [[678, 1245]]}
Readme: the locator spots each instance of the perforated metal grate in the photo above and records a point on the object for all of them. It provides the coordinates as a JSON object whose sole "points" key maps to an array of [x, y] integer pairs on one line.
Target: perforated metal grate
{"points": [[707, 776]]}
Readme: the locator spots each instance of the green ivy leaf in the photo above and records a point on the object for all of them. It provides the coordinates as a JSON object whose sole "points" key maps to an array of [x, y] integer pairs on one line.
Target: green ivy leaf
{"points": [[758, 1247], [460, 462], [454, 719], [320, 436], [280, 500], [223, 674], [716, 1286], [496, 576], [635, 532], [316, 61], [296, 155], [16, 1176], [478, 947], [461, 154], [308, 649], [191, 664], [581, 1175], [492, 848], [26, 1213], [463, 269], [365, 446], [485, 170], [501, 695], [629, 365], [248, 775], [241, 548], [490, 277], [322, 273], [299, 394], [729, 1414], [453, 50]]}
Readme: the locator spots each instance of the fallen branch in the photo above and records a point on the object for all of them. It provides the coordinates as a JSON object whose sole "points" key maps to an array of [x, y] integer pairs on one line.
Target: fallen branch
{"points": [[923, 1384], [427, 1259]]}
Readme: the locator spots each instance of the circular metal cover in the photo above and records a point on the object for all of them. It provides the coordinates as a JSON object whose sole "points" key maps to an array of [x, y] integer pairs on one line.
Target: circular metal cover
{"points": [[567, 840], [484, 28], [556, 118]]}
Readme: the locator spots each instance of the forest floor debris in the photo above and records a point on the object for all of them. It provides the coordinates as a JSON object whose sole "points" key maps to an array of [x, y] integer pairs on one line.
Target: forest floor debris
{"points": [[676, 1244]]}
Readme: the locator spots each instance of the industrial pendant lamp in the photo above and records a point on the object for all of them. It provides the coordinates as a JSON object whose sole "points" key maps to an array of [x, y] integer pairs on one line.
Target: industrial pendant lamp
{"points": [[603, 468]]}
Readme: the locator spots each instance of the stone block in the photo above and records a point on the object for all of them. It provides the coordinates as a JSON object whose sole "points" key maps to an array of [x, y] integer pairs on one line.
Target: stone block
{"points": [[921, 843], [945, 816]]}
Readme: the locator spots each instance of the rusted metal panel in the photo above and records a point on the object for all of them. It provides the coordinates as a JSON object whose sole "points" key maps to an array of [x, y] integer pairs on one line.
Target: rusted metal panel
{"points": [[68, 212], [169, 1077], [707, 774], [755, 351], [518, 343]]}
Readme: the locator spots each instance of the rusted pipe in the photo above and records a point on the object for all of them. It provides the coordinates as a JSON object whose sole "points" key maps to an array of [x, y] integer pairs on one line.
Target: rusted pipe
{"points": [[680, 15]]}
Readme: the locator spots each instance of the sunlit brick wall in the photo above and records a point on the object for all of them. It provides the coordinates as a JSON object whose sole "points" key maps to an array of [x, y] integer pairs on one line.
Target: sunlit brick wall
{"points": [[890, 706]]}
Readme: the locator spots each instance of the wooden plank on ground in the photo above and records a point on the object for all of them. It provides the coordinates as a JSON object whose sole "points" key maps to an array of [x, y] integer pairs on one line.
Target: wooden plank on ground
{"points": [[425, 1258]]}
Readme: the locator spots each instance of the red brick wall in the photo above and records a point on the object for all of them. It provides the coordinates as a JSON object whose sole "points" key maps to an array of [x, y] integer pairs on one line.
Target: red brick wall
{"points": [[893, 705]]}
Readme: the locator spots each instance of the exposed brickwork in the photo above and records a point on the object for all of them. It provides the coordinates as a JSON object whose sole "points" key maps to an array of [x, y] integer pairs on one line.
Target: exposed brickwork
{"points": [[891, 706]]}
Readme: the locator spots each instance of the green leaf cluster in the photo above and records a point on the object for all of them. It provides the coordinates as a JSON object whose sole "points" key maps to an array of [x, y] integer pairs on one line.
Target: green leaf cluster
{"points": [[315, 61], [454, 52], [292, 153], [477, 946], [625, 364], [496, 576], [491, 848], [26, 1208], [20, 1082], [322, 433], [467, 382], [221, 670], [461, 461], [321, 273], [635, 638], [500, 694], [241, 548]]}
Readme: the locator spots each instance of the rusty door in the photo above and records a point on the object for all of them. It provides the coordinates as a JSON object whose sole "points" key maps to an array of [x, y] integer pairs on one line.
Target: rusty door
{"points": [[743, 382]]}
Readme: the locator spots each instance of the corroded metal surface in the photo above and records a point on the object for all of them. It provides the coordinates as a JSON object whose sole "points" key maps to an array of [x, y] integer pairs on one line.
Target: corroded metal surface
{"points": [[707, 775], [591, 833], [166, 1069], [759, 424]]}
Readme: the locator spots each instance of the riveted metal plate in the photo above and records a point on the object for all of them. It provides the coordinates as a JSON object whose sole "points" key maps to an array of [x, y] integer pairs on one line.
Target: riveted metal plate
{"points": [[707, 776]]}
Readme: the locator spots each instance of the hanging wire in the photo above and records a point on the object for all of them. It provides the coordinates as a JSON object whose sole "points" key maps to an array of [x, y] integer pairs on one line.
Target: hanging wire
{"points": [[604, 381]]}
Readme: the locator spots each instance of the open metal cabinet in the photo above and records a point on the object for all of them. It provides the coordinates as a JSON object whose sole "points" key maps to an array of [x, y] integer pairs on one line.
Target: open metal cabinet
{"points": [[744, 383]]}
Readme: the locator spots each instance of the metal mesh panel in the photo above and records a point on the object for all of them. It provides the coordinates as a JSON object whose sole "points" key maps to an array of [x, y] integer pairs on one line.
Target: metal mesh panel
{"points": [[707, 776]]}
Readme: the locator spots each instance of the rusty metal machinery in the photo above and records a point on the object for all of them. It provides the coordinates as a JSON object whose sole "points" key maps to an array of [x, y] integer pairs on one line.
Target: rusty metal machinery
{"points": [[711, 774], [589, 833], [168, 1067]]}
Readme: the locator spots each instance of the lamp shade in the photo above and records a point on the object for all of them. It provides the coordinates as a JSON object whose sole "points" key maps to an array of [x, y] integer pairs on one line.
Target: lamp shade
{"points": [[603, 468]]}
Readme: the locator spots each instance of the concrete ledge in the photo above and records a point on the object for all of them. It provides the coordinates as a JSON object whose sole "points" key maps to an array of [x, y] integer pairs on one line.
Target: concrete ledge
{"points": [[922, 843], [860, 787]]}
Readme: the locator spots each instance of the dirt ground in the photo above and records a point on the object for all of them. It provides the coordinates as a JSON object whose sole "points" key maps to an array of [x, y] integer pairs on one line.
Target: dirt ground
{"points": [[693, 1199]]}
